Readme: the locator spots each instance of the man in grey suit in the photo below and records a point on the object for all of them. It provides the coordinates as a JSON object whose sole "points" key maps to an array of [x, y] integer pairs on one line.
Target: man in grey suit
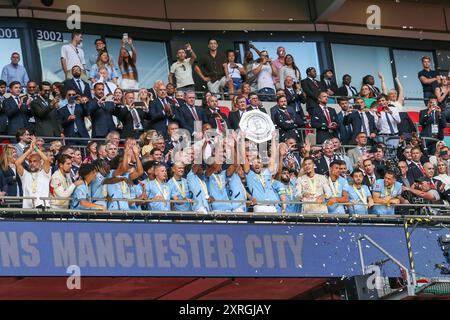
{"points": [[356, 154]]}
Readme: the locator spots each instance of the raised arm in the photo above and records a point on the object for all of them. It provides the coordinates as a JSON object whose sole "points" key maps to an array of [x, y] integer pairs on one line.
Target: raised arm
{"points": [[383, 83], [133, 50], [19, 162], [140, 169], [401, 91], [273, 161], [251, 46], [193, 55]]}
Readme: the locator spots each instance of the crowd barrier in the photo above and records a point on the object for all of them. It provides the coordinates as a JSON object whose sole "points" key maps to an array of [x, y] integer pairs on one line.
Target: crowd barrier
{"points": [[150, 215]]}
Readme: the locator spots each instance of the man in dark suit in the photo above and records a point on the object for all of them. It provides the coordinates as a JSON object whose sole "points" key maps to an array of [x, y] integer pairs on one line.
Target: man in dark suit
{"points": [[235, 116], [415, 167], [255, 103], [3, 116], [101, 112], [81, 87], [345, 130], [189, 113], [361, 121], [72, 116], [217, 119], [287, 121], [406, 126], [370, 174], [347, 90], [45, 113], [324, 120], [16, 111], [433, 123], [328, 84], [311, 87], [295, 97], [161, 112], [131, 117]]}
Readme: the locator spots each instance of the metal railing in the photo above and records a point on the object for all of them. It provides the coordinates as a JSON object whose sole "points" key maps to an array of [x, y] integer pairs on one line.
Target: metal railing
{"points": [[146, 215]]}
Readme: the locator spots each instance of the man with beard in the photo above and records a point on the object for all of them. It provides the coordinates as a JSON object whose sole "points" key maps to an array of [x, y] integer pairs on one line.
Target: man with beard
{"points": [[61, 185], [36, 180], [287, 122], [45, 113], [312, 188], [359, 195], [285, 187]]}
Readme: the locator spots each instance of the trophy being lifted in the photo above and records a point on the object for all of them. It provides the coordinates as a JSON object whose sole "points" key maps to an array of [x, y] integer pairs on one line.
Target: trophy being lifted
{"points": [[257, 125]]}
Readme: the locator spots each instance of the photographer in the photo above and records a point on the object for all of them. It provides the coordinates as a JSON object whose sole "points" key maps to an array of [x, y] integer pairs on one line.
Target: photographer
{"points": [[433, 123], [265, 71]]}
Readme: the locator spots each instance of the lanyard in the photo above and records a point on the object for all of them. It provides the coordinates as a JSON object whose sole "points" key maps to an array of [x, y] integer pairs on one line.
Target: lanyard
{"points": [[125, 189], [204, 188], [388, 192], [163, 190], [261, 179], [34, 182], [312, 184], [289, 190], [219, 181], [334, 187], [362, 195], [181, 189]]}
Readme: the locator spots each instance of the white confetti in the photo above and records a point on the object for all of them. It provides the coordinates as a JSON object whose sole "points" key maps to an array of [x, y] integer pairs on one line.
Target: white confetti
{"points": [[314, 236], [317, 244], [340, 238], [323, 265], [424, 247], [290, 19], [324, 236], [367, 246]]}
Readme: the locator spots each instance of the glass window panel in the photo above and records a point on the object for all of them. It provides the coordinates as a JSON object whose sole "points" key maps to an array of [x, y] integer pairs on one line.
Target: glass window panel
{"points": [[8, 47], [443, 59], [408, 63], [50, 53], [359, 61], [304, 53], [152, 61]]}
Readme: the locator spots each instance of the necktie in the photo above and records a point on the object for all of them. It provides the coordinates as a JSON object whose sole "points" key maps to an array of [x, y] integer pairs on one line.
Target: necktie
{"points": [[328, 83], [391, 128], [79, 85], [421, 168], [363, 126], [136, 120], [219, 125], [194, 113], [372, 180], [18, 101], [316, 84], [327, 115], [72, 112], [287, 114]]}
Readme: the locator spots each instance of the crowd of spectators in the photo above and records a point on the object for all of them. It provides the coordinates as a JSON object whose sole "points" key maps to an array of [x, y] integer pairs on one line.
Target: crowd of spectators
{"points": [[145, 141]]}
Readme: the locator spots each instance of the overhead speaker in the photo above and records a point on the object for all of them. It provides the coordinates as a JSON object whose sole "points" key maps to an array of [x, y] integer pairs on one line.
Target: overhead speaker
{"points": [[47, 3]]}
